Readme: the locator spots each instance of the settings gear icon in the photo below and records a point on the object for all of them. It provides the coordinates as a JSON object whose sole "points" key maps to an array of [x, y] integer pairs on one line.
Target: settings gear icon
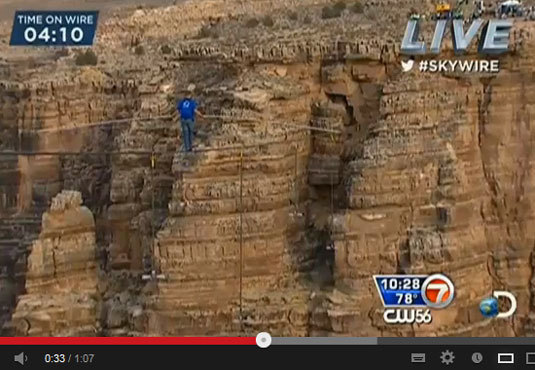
{"points": [[447, 357]]}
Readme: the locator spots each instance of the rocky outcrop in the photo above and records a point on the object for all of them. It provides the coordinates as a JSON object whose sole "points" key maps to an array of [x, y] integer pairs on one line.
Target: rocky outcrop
{"points": [[140, 182], [429, 194], [51, 115], [228, 252], [411, 201], [324, 163], [61, 297], [225, 250]]}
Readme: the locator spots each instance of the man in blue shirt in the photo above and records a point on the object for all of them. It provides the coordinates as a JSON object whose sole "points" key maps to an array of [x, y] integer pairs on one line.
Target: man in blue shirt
{"points": [[187, 108]]}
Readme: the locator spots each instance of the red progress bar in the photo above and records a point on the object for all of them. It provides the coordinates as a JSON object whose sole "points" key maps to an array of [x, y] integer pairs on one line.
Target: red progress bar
{"points": [[127, 341]]}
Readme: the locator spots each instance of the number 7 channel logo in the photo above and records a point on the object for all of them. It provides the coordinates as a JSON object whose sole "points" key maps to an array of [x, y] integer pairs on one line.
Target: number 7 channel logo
{"points": [[437, 291], [408, 299]]}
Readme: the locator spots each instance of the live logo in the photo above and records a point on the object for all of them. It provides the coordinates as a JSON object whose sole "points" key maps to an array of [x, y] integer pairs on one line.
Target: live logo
{"points": [[494, 36]]}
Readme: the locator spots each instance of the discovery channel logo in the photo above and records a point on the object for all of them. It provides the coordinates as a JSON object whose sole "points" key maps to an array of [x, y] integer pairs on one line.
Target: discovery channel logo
{"points": [[408, 298], [489, 306]]}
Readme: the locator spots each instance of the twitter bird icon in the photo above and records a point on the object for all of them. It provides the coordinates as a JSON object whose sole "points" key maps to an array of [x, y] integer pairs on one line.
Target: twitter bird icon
{"points": [[407, 66]]}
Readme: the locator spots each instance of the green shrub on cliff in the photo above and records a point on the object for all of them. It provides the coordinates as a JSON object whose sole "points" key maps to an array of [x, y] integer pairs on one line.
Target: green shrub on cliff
{"points": [[166, 49], [251, 23], [340, 6], [87, 58], [207, 31], [139, 50], [357, 7], [331, 12], [268, 21]]}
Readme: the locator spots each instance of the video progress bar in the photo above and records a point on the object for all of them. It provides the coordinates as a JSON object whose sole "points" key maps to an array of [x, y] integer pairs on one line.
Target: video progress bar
{"points": [[324, 341], [370, 341]]}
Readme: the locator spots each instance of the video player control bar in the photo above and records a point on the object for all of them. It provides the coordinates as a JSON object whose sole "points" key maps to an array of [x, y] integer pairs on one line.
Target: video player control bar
{"points": [[397, 341]]}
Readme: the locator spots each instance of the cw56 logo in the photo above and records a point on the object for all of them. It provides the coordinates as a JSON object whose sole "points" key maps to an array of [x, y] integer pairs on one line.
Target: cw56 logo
{"points": [[408, 298]]}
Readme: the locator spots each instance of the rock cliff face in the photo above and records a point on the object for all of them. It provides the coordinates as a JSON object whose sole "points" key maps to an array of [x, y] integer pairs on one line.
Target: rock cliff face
{"points": [[61, 279], [318, 165], [28, 183], [231, 219]]}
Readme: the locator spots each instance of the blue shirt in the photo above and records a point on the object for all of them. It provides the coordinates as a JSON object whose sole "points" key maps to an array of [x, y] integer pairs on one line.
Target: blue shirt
{"points": [[187, 107]]}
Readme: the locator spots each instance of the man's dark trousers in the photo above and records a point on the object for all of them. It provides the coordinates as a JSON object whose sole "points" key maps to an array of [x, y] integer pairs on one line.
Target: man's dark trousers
{"points": [[187, 133]]}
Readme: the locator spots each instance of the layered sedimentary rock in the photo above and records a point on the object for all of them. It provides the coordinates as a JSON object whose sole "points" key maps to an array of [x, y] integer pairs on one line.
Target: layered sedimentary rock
{"points": [[139, 195], [226, 246], [227, 252], [507, 161], [140, 183], [40, 115], [17, 234], [412, 199], [440, 186], [324, 164], [61, 297]]}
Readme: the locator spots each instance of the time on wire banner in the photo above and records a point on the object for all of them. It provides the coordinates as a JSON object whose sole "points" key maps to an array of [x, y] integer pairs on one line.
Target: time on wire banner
{"points": [[54, 28]]}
